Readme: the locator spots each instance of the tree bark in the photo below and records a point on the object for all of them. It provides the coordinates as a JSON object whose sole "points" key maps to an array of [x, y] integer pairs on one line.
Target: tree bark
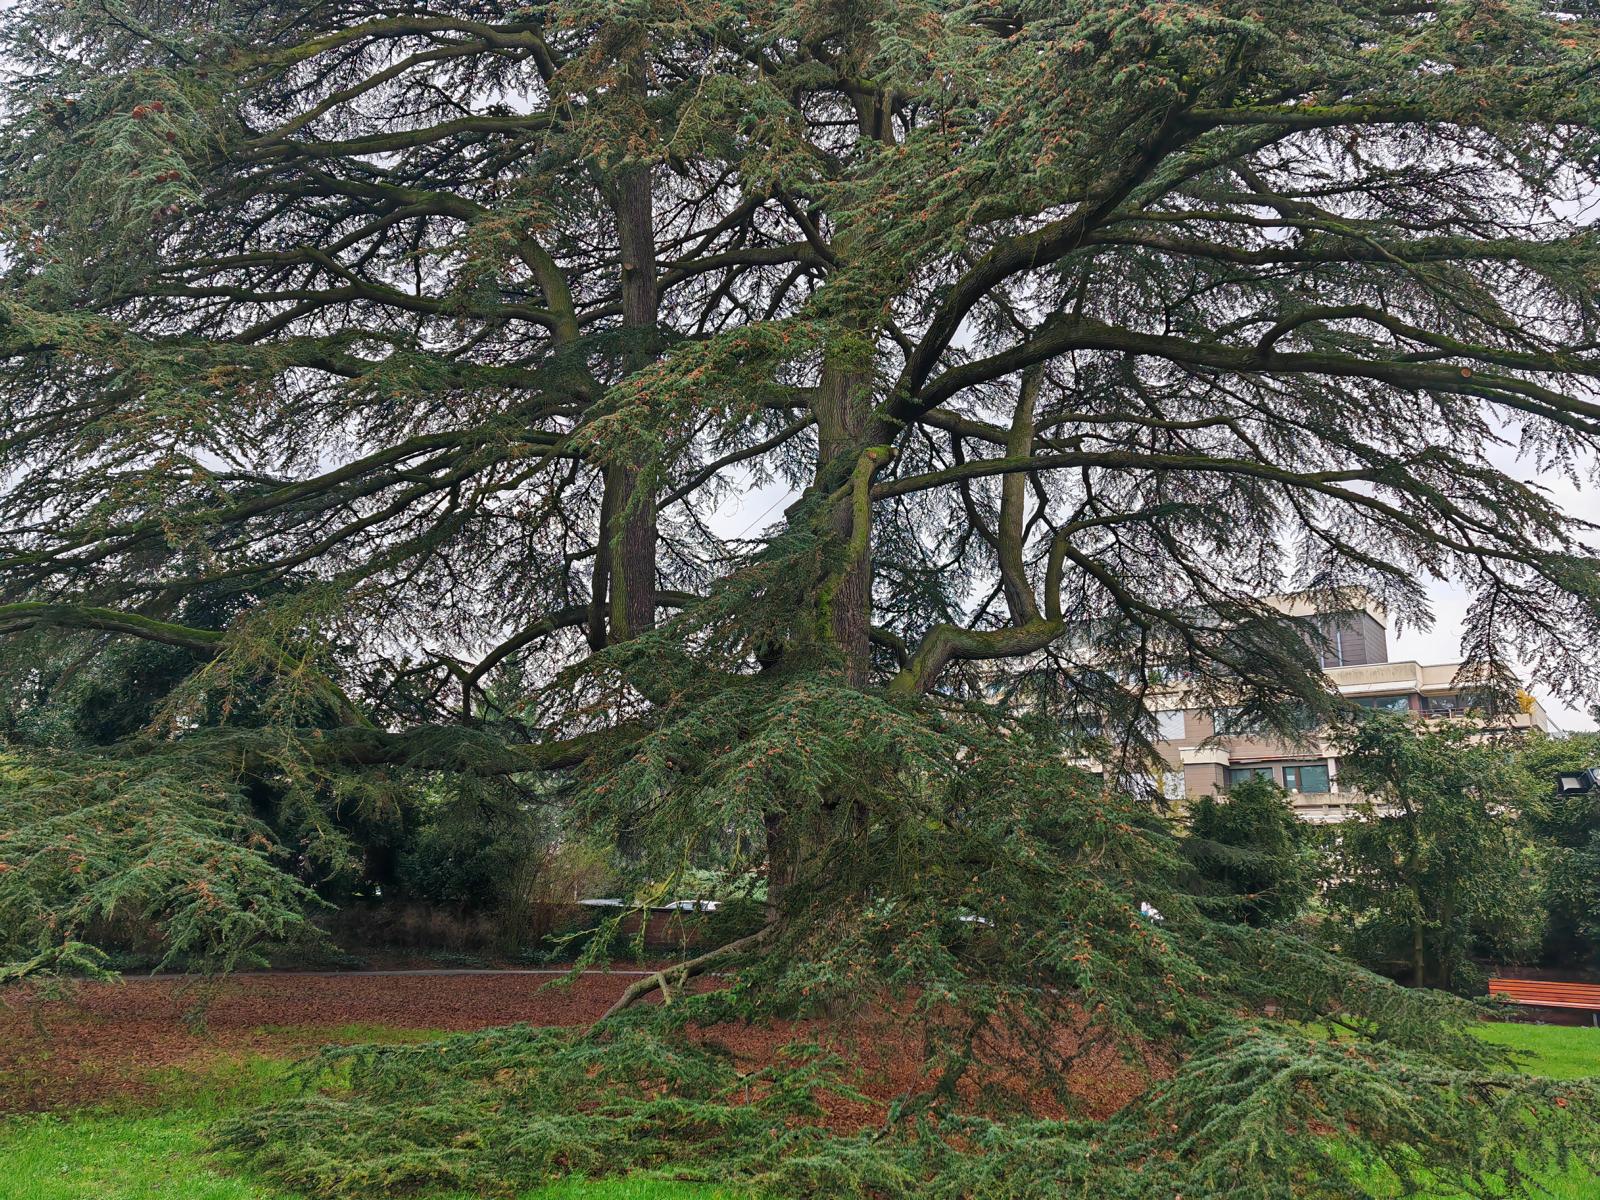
{"points": [[632, 554], [846, 429], [842, 409], [630, 534], [1419, 952], [1010, 536]]}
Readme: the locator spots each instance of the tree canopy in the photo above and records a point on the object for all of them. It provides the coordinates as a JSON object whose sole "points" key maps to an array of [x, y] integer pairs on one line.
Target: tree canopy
{"points": [[1438, 864], [1252, 855], [428, 341], [1569, 826], [448, 331]]}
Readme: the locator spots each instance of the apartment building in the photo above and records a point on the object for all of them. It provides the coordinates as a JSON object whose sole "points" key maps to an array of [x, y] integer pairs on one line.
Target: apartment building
{"points": [[1204, 756]]}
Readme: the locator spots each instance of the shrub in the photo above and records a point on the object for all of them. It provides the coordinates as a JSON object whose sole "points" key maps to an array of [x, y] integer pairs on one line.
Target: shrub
{"points": [[1254, 860]]}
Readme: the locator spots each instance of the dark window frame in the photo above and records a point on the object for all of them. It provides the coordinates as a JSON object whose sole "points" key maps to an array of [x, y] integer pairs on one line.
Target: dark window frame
{"points": [[1261, 771], [1298, 788]]}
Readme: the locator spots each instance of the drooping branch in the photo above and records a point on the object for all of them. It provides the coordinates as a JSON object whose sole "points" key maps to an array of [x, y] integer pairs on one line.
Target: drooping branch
{"points": [[680, 974]]}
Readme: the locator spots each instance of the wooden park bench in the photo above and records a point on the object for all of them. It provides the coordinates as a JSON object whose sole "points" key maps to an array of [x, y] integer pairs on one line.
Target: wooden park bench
{"points": [[1549, 993]]}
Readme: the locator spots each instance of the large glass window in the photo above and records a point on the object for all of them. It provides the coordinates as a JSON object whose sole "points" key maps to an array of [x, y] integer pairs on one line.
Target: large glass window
{"points": [[1385, 703], [1307, 778], [1240, 774], [1169, 725]]}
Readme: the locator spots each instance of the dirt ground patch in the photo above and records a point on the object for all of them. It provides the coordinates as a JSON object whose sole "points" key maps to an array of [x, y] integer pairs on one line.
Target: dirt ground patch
{"points": [[103, 1045], [111, 1040]]}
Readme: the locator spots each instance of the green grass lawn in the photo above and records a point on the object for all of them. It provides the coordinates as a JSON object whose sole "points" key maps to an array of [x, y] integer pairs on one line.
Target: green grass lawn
{"points": [[161, 1156], [158, 1152], [1559, 1051]]}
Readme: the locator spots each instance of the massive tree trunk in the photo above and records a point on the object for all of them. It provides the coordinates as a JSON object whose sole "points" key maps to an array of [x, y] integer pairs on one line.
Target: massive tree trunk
{"points": [[629, 510], [1419, 953], [797, 839], [846, 428], [842, 409], [631, 551], [629, 505]]}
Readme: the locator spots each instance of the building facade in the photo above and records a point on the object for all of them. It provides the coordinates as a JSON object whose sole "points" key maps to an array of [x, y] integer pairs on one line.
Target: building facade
{"points": [[1203, 755]]}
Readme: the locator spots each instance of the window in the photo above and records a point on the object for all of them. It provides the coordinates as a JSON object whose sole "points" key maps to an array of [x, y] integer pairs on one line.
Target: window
{"points": [[1169, 725], [1233, 720], [1173, 786], [1385, 703], [1083, 727], [1333, 653], [1142, 785], [1446, 706], [1307, 779], [1240, 774]]}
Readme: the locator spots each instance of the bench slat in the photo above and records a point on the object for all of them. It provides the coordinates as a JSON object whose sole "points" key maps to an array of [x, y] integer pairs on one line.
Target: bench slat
{"points": [[1538, 1002], [1546, 993], [1518, 985]]}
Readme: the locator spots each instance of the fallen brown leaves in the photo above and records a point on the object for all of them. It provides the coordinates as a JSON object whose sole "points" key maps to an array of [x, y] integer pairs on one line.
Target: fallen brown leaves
{"points": [[112, 1043]]}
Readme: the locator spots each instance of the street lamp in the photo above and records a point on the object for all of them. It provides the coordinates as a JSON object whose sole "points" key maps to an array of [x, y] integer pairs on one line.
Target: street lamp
{"points": [[1578, 783]]}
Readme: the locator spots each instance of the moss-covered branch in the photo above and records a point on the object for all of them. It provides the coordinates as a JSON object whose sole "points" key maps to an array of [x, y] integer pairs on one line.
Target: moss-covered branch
{"points": [[15, 618]]}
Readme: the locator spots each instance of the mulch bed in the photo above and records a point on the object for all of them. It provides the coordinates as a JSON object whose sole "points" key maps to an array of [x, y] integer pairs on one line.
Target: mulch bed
{"points": [[110, 1042], [103, 1044]]}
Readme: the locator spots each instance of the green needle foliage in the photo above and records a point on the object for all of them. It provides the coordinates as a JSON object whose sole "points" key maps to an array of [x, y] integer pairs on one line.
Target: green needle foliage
{"points": [[511, 1108], [1253, 856], [1567, 828], [1438, 864], [89, 841], [994, 897], [427, 341]]}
